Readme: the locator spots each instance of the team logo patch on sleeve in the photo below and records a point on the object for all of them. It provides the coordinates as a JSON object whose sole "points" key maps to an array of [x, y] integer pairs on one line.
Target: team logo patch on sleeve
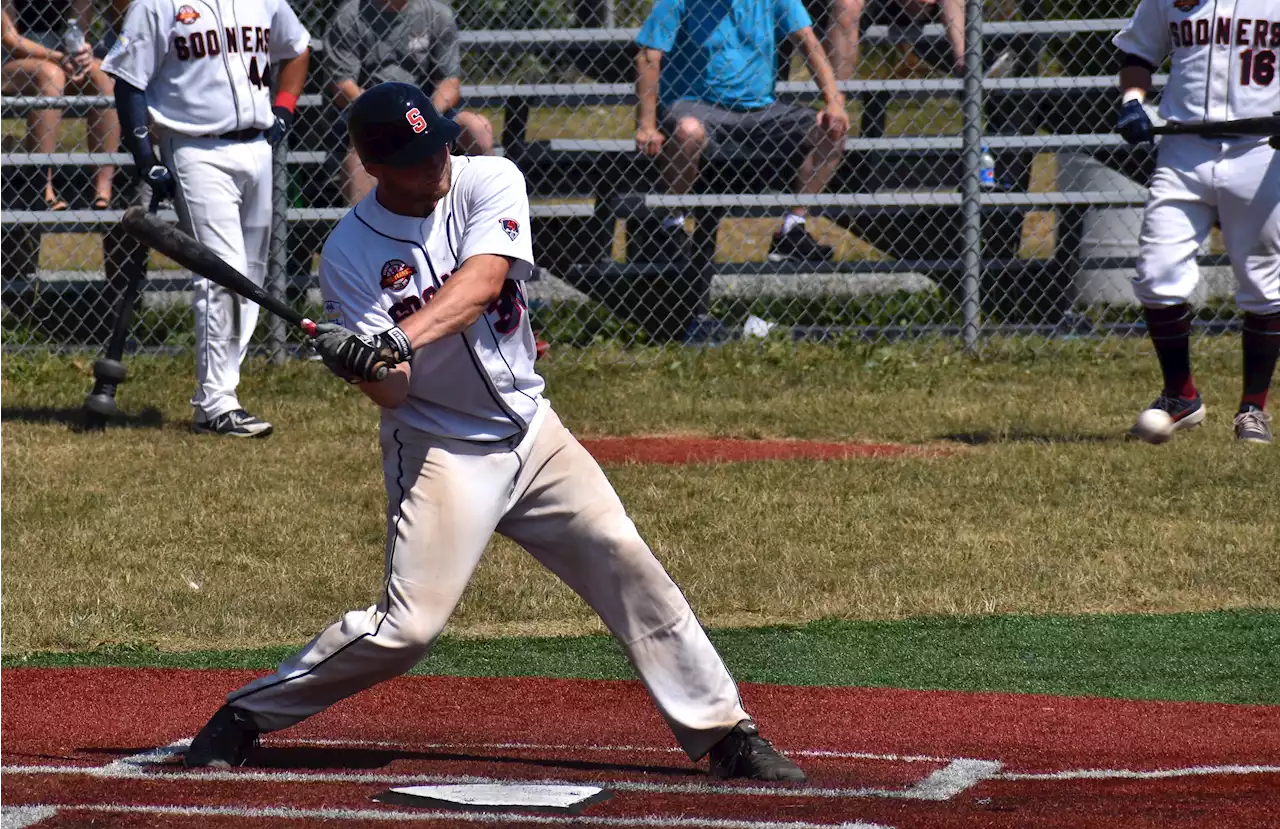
{"points": [[510, 227], [187, 15], [1186, 6], [333, 313], [396, 274]]}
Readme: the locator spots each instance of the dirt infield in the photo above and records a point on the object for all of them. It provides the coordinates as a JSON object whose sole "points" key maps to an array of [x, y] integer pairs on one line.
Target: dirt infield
{"points": [[100, 746], [679, 449]]}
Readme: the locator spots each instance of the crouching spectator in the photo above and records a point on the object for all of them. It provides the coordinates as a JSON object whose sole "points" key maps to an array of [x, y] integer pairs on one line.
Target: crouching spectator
{"points": [[410, 41], [704, 76], [34, 64]]}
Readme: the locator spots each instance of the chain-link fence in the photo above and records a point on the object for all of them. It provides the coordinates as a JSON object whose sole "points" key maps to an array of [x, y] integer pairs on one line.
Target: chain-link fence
{"points": [[977, 197]]}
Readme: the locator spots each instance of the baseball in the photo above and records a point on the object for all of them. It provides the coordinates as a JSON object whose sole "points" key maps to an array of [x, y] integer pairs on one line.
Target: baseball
{"points": [[1154, 426]]}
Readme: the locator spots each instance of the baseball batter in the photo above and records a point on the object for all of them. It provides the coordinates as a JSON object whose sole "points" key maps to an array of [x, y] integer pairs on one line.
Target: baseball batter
{"points": [[427, 271], [200, 72], [1223, 68]]}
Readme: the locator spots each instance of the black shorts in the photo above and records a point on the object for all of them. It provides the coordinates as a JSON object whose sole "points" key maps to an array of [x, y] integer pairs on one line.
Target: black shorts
{"points": [[778, 127]]}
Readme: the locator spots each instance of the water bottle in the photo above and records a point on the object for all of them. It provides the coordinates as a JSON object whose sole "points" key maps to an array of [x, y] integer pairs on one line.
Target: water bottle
{"points": [[72, 37], [987, 170]]}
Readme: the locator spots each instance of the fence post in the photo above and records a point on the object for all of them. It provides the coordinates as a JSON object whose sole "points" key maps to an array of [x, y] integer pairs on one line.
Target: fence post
{"points": [[277, 254], [971, 193]]}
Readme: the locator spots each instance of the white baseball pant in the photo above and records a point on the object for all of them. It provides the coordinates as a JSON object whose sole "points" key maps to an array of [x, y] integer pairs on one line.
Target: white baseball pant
{"points": [[445, 500], [1197, 179], [224, 200]]}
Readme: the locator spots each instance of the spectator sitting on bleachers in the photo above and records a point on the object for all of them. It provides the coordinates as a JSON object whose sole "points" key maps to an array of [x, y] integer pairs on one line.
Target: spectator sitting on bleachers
{"points": [[717, 85], [34, 64], [838, 24], [411, 41]]}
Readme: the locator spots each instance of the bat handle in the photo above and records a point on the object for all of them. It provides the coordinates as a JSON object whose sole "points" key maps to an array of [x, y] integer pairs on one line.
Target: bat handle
{"points": [[380, 372]]}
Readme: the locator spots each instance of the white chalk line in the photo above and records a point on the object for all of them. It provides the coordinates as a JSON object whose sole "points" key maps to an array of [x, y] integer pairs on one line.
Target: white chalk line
{"points": [[20, 817], [452, 817], [1128, 774]]}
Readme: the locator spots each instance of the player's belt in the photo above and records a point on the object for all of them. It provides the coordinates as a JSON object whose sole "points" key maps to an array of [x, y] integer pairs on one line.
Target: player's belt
{"points": [[241, 135]]}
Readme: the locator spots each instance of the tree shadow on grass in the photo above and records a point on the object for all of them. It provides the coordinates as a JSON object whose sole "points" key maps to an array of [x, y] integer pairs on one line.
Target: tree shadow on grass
{"points": [[148, 418], [1017, 435]]}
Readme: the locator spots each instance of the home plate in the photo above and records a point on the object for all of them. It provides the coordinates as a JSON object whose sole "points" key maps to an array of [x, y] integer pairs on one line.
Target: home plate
{"points": [[502, 797]]}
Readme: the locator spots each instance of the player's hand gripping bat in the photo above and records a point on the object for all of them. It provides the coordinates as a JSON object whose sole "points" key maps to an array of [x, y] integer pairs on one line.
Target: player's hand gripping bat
{"points": [[185, 250]]}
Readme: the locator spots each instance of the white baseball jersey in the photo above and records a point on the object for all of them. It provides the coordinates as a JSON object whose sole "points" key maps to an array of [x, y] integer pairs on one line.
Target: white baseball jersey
{"points": [[378, 267], [1224, 55], [206, 64]]}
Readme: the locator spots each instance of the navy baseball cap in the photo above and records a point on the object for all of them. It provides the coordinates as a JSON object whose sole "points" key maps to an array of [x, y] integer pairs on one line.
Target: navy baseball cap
{"points": [[397, 125]]}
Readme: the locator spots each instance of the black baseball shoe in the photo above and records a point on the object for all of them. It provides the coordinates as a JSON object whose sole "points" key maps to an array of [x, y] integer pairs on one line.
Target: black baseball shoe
{"points": [[743, 753], [236, 423], [796, 245], [224, 742], [1253, 426], [662, 244], [1185, 413]]}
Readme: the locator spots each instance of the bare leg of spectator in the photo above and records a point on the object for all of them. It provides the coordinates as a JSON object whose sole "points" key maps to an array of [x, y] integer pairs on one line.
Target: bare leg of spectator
{"points": [[356, 183], [39, 77], [952, 21], [820, 164], [477, 133], [842, 36], [681, 155], [104, 132]]}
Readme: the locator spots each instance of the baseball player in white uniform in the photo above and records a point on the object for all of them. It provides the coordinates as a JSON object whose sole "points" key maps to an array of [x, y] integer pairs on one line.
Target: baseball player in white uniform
{"points": [[426, 272], [200, 72], [1223, 68]]}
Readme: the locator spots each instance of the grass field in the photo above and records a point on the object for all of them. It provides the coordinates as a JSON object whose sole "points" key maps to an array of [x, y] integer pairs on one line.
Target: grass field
{"points": [[150, 536]]}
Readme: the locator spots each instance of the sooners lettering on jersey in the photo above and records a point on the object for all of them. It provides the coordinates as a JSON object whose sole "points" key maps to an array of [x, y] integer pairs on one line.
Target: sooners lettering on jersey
{"points": [[379, 267], [1223, 55], [208, 63]]}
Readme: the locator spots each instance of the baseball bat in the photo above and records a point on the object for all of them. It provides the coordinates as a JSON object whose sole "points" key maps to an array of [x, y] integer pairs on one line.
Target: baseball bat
{"points": [[185, 250], [1266, 125]]}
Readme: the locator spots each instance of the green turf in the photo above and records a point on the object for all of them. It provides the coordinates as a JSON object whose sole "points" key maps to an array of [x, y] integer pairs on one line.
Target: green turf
{"points": [[1231, 656]]}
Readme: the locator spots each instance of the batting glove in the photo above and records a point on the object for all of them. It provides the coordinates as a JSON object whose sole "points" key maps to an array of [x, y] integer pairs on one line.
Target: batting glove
{"points": [[158, 178], [1134, 124], [280, 127], [360, 357]]}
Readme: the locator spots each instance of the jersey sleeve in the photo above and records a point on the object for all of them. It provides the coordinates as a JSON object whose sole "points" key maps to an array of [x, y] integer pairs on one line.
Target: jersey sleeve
{"points": [[350, 298], [1147, 33], [495, 212], [140, 49], [342, 45], [791, 16], [289, 38], [445, 56], [661, 27]]}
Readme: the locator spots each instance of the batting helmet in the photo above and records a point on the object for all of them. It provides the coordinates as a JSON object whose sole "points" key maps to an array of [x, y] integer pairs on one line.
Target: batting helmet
{"points": [[397, 125]]}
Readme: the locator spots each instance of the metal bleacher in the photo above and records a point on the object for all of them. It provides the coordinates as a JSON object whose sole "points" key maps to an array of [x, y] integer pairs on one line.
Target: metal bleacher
{"points": [[889, 188]]}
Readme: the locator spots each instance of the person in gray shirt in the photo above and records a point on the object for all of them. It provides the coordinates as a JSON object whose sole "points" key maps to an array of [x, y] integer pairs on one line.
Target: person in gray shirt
{"points": [[369, 42]]}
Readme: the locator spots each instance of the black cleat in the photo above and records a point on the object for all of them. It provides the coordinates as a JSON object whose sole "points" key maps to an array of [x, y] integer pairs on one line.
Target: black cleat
{"points": [[796, 245], [236, 423], [744, 754], [224, 742]]}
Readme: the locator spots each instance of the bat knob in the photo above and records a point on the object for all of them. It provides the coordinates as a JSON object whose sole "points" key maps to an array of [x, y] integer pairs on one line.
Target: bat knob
{"points": [[308, 327]]}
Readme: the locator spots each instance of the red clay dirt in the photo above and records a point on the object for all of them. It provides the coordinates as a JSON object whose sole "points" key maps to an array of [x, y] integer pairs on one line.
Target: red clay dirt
{"points": [[73, 740], [676, 450]]}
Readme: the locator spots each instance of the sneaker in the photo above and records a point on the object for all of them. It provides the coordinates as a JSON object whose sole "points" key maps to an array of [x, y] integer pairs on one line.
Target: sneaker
{"points": [[796, 245], [236, 423], [1253, 426], [743, 753], [224, 742], [663, 244], [1185, 414]]}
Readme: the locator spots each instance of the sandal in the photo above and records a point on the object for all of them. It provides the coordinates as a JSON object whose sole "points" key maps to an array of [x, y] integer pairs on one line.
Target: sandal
{"points": [[52, 202], [102, 203]]}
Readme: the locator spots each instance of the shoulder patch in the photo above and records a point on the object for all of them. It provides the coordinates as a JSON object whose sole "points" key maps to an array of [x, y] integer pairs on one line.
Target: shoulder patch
{"points": [[187, 15], [396, 274], [510, 227]]}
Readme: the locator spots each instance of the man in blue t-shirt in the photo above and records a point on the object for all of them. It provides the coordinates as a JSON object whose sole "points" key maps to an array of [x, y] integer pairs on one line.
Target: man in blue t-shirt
{"points": [[717, 84]]}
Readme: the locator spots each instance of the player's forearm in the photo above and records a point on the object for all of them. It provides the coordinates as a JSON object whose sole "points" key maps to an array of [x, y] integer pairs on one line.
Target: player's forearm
{"points": [[648, 73], [819, 67], [1133, 80], [131, 107], [293, 74], [448, 94], [344, 92], [460, 302]]}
